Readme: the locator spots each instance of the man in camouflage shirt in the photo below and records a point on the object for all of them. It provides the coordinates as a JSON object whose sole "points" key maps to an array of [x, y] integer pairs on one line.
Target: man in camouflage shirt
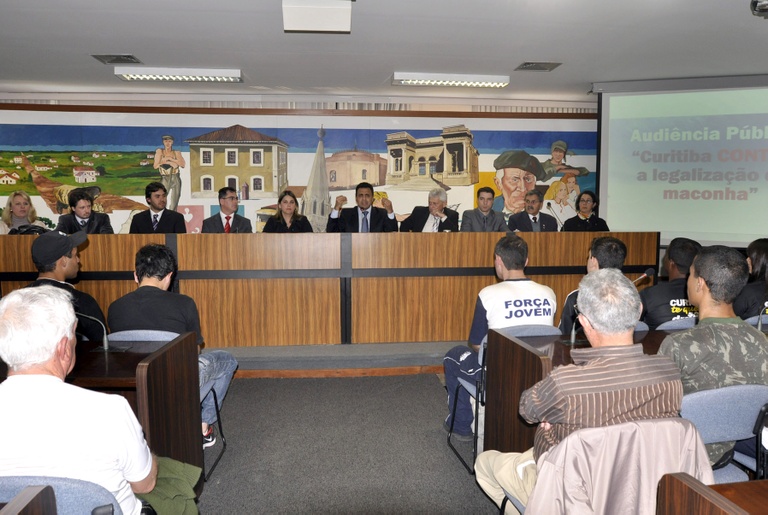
{"points": [[722, 350]]}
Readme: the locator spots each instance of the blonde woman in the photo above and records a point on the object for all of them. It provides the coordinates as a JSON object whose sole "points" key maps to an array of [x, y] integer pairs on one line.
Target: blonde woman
{"points": [[556, 203], [18, 212]]}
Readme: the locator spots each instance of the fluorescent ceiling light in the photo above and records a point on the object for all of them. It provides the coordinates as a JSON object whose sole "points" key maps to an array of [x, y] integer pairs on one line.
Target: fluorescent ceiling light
{"points": [[443, 79], [148, 73], [317, 16]]}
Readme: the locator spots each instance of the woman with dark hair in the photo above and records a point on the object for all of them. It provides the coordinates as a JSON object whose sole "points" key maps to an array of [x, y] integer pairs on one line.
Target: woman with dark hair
{"points": [[585, 219], [751, 300], [287, 218]]}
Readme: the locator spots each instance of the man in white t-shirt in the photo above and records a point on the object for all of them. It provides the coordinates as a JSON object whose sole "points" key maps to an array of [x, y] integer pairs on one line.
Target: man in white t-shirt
{"points": [[516, 300], [62, 430]]}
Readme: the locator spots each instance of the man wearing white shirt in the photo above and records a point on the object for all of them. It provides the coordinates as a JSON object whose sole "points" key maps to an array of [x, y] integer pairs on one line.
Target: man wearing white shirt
{"points": [[364, 217]]}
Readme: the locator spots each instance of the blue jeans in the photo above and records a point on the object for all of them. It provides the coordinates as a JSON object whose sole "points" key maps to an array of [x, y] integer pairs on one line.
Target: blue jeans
{"points": [[216, 370], [460, 361]]}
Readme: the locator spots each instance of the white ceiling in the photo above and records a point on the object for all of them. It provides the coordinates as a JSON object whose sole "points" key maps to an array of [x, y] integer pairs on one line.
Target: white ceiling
{"points": [[46, 47]]}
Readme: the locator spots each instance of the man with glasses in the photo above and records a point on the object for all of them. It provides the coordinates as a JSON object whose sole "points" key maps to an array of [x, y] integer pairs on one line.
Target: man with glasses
{"points": [[227, 220]]}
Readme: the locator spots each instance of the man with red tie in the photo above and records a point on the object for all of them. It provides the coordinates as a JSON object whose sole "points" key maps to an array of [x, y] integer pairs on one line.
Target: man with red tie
{"points": [[227, 220]]}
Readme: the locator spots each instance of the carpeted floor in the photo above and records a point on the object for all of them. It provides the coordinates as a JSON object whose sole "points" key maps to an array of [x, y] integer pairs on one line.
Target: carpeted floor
{"points": [[339, 445]]}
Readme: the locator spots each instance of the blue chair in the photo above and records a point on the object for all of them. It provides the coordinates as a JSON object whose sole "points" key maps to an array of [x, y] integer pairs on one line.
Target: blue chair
{"points": [[678, 324], [725, 415], [758, 321], [759, 463], [642, 327], [73, 496]]}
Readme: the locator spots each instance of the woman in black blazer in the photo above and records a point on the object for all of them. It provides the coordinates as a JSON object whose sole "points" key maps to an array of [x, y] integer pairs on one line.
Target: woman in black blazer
{"points": [[287, 218]]}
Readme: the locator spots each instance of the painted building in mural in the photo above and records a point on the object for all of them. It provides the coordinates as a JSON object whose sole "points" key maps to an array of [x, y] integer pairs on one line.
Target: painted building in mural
{"points": [[254, 164], [450, 158], [348, 168]]}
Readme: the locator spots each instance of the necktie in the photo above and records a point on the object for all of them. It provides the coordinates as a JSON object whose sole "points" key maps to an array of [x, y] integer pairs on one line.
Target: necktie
{"points": [[227, 227], [535, 224], [435, 224], [83, 222], [154, 222], [365, 222], [485, 223]]}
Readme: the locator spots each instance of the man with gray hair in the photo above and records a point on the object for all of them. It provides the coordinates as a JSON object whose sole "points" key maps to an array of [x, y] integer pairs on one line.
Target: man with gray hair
{"points": [[609, 383], [434, 218], [37, 341]]}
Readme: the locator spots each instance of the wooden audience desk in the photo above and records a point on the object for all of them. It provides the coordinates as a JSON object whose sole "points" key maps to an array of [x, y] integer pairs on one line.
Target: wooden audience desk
{"points": [[513, 366], [681, 493]]}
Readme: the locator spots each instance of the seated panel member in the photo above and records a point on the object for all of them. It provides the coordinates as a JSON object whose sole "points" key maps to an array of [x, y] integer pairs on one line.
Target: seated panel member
{"points": [[434, 218], [227, 220], [37, 341], [532, 220], [751, 299], [483, 218], [610, 383], [82, 216], [585, 219], [157, 219], [153, 307], [722, 349], [516, 300], [364, 217], [669, 300], [287, 218]]}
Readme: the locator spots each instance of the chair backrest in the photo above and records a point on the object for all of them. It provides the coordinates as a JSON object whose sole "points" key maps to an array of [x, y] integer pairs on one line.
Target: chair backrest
{"points": [[616, 469], [532, 330], [641, 327], [678, 324], [753, 320], [73, 496], [142, 335], [725, 414]]}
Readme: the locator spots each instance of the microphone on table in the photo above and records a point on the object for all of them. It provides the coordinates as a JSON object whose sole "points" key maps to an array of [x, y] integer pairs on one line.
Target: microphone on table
{"points": [[760, 317], [549, 207], [104, 340], [648, 273]]}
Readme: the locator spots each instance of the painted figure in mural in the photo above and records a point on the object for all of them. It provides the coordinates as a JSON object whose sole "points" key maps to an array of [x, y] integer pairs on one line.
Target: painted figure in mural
{"points": [[287, 218], [157, 219], [516, 174], [167, 162], [586, 219], [227, 221], [556, 164], [19, 212], [433, 218], [556, 203], [483, 218], [573, 187], [83, 217], [532, 220], [364, 217]]}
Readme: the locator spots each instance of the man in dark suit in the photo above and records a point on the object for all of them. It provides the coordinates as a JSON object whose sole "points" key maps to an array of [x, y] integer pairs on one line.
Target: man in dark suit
{"points": [[364, 217], [157, 219], [81, 216], [227, 220], [532, 220], [434, 218], [483, 218]]}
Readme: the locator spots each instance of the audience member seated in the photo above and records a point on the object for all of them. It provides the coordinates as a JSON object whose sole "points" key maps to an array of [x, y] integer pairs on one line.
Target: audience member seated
{"points": [[610, 383], [287, 218], [434, 218], [82, 217], [669, 300], [532, 220], [227, 221], [585, 219], [56, 259], [59, 429], [364, 217], [20, 213], [515, 301], [604, 252], [722, 350], [751, 300], [483, 218], [157, 219], [152, 306]]}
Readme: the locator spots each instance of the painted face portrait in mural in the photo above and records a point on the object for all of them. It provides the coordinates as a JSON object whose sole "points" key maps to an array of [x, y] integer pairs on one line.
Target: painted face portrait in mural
{"points": [[516, 174], [556, 164]]}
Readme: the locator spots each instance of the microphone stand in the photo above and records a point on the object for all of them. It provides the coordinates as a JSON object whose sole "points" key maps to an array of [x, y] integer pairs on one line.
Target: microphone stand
{"points": [[105, 340]]}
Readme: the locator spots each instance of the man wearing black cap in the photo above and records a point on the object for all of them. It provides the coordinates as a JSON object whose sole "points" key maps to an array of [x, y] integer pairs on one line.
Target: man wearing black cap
{"points": [[516, 174], [55, 256]]}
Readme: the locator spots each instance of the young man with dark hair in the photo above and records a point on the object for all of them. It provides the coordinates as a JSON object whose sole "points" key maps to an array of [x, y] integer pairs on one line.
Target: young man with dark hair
{"points": [[82, 217], [157, 219], [483, 218], [669, 300], [516, 300], [153, 307], [364, 217], [227, 221]]}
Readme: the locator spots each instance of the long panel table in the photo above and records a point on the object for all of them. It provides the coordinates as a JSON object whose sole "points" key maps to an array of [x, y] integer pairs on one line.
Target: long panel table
{"points": [[305, 289]]}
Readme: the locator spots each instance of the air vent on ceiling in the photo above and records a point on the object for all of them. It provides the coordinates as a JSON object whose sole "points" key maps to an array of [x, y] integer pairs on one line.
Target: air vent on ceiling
{"points": [[533, 66], [117, 59]]}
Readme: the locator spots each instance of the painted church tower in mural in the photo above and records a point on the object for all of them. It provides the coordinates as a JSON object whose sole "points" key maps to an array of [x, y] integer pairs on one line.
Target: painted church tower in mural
{"points": [[316, 201]]}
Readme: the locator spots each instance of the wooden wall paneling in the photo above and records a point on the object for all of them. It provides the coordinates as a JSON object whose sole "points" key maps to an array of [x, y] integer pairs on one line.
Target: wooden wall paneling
{"points": [[114, 252], [420, 250], [9, 286], [107, 291], [15, 255], [267, 312]]}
